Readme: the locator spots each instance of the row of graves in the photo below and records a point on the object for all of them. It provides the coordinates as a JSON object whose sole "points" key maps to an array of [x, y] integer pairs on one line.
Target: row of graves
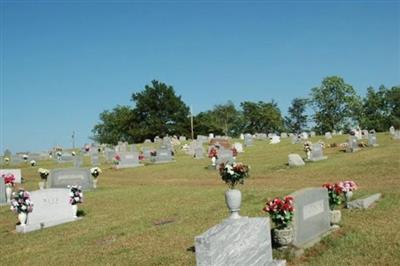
{"points": [[294, 223], [56, 202]]}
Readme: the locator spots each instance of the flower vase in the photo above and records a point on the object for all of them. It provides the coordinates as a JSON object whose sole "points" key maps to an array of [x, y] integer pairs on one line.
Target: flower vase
{"points": [[233, 199], [336, 216], [75, 210], [283, 237], [22, 217], [94, 182], [348, 195], [8, 193], [213, 161]]}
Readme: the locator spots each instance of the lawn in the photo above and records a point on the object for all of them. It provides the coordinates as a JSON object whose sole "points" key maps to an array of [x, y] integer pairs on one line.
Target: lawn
{"points": [[150, 215]]}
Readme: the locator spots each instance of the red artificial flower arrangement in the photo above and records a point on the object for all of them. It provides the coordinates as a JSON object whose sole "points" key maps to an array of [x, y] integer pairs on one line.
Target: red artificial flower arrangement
{"points": [[234, 152], [281, 211], [9, 179], [213, 153]]}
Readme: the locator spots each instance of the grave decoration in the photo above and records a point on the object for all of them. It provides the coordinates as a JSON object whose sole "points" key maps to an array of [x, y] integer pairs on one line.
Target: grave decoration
{"points": [[281, 212], [307, 149], [32, 162], [95, 172], [233, 174], [348, 187], [44, 174], [76, 197], [21, 203], [9, 181], [213, 155], [334, 191]]}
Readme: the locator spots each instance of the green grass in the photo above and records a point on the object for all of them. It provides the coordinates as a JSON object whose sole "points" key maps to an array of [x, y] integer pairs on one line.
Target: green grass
{"points": [[150, 215]]}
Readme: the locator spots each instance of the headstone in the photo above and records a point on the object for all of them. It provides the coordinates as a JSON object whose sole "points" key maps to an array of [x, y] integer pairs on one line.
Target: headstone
{"points": [[295, 139], [295, 160], [372, 140], [396, 135], [312, 134], [199, 153], [15, 172], [352, 144], [182, 138], [62, 178], [304, 135], [51, 207], [242, 136], [128, 160], [391, 130], [275, 140], [132, 147], [78, 161], [147, 141], [248, 140], [94, 158], [364, 203], [364, 134], [66, 158], [317, 153], [311, 218], [211, 136], [109, 154], [224, 156], [2, 192], [238, 146], [284, 135], [328, 135], [244, 241], [163, 155]]}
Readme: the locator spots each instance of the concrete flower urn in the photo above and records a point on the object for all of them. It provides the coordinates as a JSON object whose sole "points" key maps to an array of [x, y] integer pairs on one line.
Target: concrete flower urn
{"points": [[94, 182], [348, 195], [308, 155], [42, 184], [8, 193], [283, 237], [213, 161], [22, 218], [75, 210], [233, 199]]}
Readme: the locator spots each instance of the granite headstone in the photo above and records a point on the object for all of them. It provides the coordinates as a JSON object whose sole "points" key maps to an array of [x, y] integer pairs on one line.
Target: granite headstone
{"points": [[62, 178]]}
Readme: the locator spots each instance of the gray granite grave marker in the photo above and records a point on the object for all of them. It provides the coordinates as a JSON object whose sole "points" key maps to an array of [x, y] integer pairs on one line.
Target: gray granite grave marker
{"points": [[199, 153], [163, 155], [94, 158], [50, 207], [62, 178], [128, 160], [2, 192], [311, 216], [352, 144], [317, 153], [244, 241], [372, 142], [248, 140], [295, 160]]}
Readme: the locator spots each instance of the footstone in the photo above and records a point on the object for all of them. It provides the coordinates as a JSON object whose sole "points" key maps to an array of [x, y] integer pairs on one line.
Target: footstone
{"points": [[364, 203], [295, 160], [62, 178], [15, 172], [51, 207], [311, 218], [244, 241]]}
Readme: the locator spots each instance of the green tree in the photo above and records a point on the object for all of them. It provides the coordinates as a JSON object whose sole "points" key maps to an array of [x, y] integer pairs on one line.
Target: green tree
{"points": [[393, 102], [375, 110], [159, 111], [225, 116], [336, 105], [261, 117], [115, 125], [297, 119]]}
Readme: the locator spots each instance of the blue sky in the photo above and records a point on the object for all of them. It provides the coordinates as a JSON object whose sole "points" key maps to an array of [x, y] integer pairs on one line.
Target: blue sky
{"points": [[64, 63]]}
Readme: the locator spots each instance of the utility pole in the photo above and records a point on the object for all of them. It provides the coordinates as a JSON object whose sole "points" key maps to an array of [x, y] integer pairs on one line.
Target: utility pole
{"points": [[73, 139], [191, 121]]}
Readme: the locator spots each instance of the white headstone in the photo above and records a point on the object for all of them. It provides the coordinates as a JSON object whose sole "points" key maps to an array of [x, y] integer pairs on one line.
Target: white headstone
{"points": [[295, 160]]}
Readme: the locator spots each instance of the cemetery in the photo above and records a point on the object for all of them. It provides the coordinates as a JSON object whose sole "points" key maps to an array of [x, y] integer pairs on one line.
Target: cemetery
{"points": [[196, 222]]}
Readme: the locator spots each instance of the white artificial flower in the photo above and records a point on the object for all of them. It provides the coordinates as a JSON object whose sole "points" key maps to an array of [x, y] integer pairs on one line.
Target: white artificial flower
{"points": [[23, 207]]}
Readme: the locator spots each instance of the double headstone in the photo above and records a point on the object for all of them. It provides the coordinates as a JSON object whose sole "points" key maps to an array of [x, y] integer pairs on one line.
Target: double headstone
{"points": [[51, 207], [311, 216], [243, 241], [317, 153], [128, 160], [62, 178]]}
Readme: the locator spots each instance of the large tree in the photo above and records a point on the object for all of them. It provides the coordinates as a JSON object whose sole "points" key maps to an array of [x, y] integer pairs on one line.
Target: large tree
{"points": [[297, 119], [375, 110], [335, 103], [261, 117], [159, 111], [393, 102], [115, 125]]}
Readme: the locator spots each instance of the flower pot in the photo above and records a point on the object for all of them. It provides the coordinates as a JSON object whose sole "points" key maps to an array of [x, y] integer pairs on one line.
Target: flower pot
{"points": [[336, 216], [75, 210], [8, 193], [283, 237], [233, 199], [95, 183], [22, 218]]}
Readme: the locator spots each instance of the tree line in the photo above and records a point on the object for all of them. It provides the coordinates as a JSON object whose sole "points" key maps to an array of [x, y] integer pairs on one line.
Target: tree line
{"points": [[158, 111]]}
